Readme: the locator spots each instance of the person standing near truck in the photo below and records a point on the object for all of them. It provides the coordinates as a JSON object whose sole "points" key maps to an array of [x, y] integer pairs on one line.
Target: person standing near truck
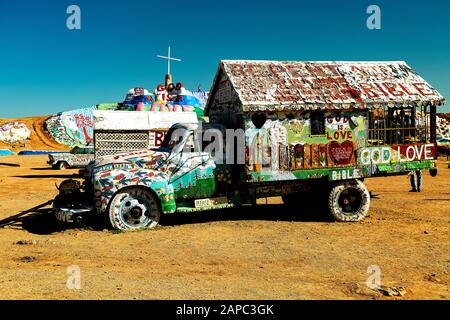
{"points": [[416, 180]]}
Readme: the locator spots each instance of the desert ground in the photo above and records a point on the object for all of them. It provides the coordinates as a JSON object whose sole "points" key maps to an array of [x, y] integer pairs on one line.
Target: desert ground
{"points": [[263, 252]]}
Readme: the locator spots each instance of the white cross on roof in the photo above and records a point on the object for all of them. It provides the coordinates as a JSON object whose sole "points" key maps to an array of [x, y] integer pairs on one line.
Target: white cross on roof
{"points": [[169, 58]]}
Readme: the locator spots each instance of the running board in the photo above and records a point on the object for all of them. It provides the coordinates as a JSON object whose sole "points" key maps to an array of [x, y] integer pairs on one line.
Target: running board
{"points": [[206, 208]]}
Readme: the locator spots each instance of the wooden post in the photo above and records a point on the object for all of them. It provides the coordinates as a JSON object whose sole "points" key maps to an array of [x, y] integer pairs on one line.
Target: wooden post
{"points": [[168, 79], [432, 124]]}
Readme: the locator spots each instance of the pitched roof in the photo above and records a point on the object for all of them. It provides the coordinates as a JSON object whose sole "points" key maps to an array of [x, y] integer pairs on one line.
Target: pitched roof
{"points": [[284, 85]]}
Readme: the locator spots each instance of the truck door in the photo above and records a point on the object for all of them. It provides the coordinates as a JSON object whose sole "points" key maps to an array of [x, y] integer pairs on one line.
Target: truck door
{"points": [[193, 177]]}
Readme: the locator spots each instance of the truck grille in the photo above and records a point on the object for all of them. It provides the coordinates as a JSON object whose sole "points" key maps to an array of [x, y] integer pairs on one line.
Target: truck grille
{"points": [[113, 142]]}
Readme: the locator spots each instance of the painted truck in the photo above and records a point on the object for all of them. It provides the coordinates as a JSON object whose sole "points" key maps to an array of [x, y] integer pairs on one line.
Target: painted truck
{"points": [[78, 157], [305, 131]]}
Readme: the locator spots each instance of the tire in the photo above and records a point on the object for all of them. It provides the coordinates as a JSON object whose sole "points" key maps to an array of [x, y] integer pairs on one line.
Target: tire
{"points": [[134, 208], [63, 165], [349, 201]]}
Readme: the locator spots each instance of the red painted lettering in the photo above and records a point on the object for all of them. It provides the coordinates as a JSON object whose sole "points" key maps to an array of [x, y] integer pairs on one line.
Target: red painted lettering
{"points": [[381, 89], [159, 137], [391, 87], [406, 90], [344, 135], [423, 91], [369, 91]]}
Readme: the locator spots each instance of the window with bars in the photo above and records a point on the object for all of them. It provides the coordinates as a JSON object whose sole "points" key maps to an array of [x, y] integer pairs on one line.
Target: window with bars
{"points": [[397, 126]]}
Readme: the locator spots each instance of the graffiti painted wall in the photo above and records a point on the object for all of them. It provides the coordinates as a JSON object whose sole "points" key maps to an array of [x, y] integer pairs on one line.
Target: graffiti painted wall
{"points": [[225, 104], [14, 132], [72, 128], [288, 143], [301, 146]]}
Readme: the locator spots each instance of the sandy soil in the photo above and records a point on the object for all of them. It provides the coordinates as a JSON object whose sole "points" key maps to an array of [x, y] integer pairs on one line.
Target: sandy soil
{"points": [[265, 252]]}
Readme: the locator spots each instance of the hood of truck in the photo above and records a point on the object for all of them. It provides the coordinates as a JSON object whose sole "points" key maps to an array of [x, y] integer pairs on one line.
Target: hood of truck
{"points": [[147, 159], [61, 155]]}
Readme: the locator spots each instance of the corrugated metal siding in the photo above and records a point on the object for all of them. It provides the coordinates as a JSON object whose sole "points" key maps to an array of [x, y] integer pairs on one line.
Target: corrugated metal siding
{"points": [[277, 86]]}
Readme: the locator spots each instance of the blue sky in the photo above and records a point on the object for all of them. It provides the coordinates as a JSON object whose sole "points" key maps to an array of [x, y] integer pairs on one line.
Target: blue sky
{"points": [[46, 68]]}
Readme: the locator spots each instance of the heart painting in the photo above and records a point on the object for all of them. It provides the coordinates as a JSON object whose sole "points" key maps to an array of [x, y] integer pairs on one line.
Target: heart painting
{"points": [[341, 153]]}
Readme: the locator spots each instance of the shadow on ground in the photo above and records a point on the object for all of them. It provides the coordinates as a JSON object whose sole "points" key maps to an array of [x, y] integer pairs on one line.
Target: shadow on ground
{"points": [[49, 176], [42, 221], [269, 212]]}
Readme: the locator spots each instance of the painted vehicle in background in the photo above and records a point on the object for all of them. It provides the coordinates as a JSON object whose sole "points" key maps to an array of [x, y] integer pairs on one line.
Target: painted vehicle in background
{"points": [[309, 131], [78, 157]]}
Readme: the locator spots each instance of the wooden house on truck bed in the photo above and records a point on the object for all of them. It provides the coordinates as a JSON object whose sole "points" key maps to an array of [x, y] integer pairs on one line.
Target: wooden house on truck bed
{"points": [[315, 119]]}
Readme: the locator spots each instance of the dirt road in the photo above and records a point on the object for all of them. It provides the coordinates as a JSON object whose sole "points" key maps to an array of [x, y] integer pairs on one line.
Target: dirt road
{"points": [[267, 252]]}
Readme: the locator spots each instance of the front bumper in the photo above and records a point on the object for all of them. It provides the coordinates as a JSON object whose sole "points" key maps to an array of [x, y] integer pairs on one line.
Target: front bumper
{"points": [[73, 215]]}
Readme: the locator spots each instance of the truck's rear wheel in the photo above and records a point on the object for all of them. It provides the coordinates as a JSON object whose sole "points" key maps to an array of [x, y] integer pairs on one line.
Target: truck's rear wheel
{"points": [[134, 208], [349, 201]]}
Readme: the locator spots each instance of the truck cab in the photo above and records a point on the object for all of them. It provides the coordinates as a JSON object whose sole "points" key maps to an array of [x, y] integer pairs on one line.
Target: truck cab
{"points": [[135, 188]]}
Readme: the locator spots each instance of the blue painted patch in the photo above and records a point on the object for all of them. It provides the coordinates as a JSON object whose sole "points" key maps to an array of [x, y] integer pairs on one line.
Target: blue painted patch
{"points": [[37, 152], [6, 152]]}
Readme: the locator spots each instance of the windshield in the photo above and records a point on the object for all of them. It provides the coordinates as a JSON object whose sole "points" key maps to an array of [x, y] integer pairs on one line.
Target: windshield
{"points": [[173, 137]]}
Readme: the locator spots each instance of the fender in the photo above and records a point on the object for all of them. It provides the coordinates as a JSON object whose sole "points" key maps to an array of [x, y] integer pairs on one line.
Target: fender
{"points": [[108, 182]]}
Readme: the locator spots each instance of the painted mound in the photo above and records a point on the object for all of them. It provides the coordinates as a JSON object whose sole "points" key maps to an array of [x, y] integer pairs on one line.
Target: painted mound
{"points": [[39, 138], [14, 132]]}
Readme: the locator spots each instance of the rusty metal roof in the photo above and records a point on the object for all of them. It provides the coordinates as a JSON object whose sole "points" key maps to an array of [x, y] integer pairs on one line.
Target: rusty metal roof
{"points": [[284, 85]]}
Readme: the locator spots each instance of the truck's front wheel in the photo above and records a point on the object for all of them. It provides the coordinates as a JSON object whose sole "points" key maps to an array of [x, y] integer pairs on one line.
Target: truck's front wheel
{"points": [[134, 208], [349, 201]]}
